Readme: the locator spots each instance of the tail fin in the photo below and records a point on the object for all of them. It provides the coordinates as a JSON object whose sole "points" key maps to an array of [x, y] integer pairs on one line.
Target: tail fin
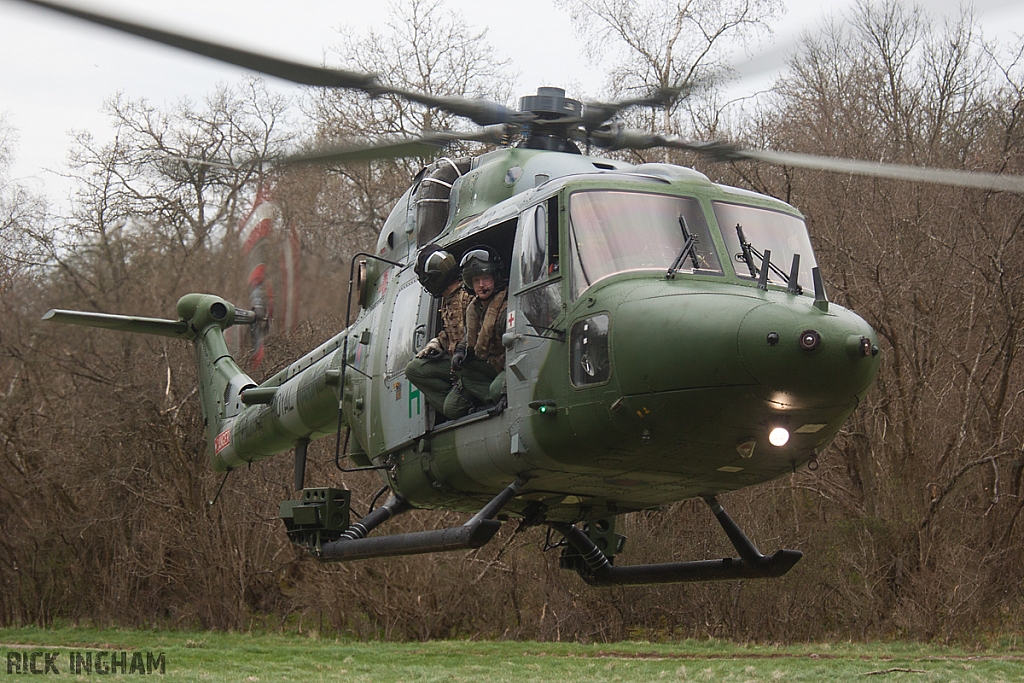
{"points": [[202, 318]]}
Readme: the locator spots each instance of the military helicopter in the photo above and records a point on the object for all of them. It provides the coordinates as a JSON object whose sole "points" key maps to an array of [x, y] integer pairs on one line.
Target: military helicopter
{"points": [[668, 338]]}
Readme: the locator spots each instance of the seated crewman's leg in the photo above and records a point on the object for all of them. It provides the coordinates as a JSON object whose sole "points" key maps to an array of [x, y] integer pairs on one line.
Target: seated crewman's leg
{"points": [[433, 377], [497, 388], [472, 390], [477, 376], [457, 403]]}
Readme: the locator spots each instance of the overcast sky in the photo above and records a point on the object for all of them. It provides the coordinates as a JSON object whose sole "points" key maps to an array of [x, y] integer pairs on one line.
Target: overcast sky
{"points": [[56, 71]]}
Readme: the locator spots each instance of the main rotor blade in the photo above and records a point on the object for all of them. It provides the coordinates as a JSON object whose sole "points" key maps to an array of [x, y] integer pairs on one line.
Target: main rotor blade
{"points": [[272, 66], [596, 113], [227, 166], [479, 110], [395, 149], [424, 145], [614, 137], [940, 176]]}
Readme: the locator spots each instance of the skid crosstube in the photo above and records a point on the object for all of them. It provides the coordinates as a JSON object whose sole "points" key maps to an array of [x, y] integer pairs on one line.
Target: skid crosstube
{"points": [[751, 564]]}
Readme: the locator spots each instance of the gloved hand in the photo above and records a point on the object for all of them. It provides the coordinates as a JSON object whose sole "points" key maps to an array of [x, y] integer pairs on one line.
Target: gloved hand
{"points": [[431, 350], [459, 358]]}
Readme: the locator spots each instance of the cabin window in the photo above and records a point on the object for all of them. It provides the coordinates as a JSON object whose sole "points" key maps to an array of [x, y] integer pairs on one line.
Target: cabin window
{"points": [[765, 230], [539, 263], [613, 232]]}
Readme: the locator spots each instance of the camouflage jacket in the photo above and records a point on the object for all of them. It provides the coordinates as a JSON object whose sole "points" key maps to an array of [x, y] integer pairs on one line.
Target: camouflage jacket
{"points": [[453, 318], [485, 325]]}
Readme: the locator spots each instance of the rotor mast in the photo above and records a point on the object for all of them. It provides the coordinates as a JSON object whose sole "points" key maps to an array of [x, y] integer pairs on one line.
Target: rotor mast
{"points": [[554, 115]]}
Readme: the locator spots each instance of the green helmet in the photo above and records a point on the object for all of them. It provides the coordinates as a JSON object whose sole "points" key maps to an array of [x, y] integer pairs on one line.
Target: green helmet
{"points": [[480, 261], [436, 269]]}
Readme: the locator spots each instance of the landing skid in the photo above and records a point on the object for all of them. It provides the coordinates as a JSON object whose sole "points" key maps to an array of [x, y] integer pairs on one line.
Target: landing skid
{"points": [[352, 544], [306, 524], [597, 570]]}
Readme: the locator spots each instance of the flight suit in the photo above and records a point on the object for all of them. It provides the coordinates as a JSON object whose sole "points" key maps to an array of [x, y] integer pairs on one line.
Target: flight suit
{"points": [[481, 379], [431, 373]]}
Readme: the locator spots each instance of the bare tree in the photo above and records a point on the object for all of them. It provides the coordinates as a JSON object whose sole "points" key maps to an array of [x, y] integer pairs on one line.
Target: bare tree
{"points": [[927, 466], [166, 187], [22, 213], [911, 526], [668, 44], [104, 430], [424, 48]]}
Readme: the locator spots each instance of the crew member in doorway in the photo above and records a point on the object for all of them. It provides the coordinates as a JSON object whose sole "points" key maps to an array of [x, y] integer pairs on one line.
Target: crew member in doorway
{"points": [[431, 370], [479, 359]]}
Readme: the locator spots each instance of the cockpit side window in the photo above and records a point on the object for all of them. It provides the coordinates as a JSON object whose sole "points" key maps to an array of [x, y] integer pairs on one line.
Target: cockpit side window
{"points": [[538, 257], [533, 258], [539, 289]]}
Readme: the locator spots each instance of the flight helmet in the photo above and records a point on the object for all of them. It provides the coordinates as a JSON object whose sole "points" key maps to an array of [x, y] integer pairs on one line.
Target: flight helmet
{"points": [[478, 261], [436, 269]]}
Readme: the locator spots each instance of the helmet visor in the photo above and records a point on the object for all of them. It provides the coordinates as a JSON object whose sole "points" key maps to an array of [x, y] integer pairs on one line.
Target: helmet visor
{"points": [[478, 262], [482, 256]]}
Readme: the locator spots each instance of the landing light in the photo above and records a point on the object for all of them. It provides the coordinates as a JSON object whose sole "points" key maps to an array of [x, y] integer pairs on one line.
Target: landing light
{"points": [[778, 436]]}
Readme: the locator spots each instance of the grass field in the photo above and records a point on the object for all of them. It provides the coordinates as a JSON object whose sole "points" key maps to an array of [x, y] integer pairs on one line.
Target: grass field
{"points": [[253, 658]]}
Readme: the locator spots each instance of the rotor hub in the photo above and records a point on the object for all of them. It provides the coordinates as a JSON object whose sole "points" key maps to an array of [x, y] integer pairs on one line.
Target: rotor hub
{"points": [[552, 114], [550, 103]]}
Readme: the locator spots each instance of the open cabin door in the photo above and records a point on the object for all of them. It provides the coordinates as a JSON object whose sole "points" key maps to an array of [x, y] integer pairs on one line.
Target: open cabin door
{"points": [[535, 306], [403, 407]]}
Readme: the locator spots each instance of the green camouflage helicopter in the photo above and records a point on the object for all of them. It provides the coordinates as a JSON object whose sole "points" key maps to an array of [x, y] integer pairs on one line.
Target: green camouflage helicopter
{"points": [[667, 338]]}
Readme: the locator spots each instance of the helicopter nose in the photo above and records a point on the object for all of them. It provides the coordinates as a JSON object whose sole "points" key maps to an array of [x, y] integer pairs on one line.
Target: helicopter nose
{"points": [[805, 356]]}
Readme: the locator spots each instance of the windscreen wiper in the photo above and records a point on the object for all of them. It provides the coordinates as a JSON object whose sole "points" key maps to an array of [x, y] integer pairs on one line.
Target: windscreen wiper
{"points": [[745, 251], [748, 253], [579, 259], [689, 248]]}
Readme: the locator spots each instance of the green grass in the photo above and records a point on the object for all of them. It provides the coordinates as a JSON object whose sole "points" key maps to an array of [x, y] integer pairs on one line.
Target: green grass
{"points": [[253, 658]]}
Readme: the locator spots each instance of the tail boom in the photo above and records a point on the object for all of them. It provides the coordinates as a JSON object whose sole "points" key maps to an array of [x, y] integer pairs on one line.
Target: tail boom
{"points": [[296, 405]]}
